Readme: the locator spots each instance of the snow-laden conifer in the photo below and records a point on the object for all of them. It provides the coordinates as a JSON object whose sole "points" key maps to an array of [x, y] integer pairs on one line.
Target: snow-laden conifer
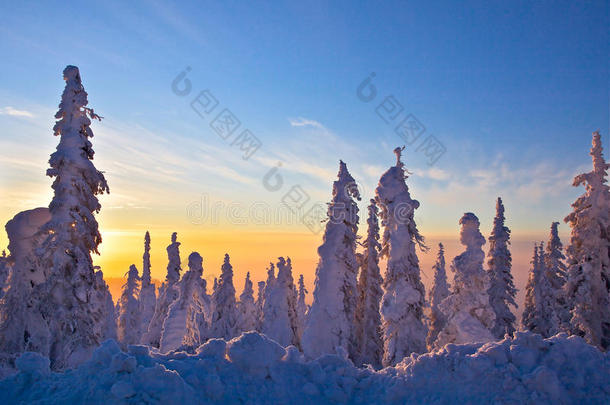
{"points": [[280, 321], [588, 285], [70, 318], [185, 323], [248, 315], [302, 306], [469, 315], [438, 292], [260, 301], [129, 319], [330, 322], [168, 293], [224, 323], [147, 298], [368, 319], [554, 264], [502, 289], [402, 304]]}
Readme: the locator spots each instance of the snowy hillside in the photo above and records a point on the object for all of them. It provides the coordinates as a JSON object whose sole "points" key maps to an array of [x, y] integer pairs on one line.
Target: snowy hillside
{"points": [[255, 370]]}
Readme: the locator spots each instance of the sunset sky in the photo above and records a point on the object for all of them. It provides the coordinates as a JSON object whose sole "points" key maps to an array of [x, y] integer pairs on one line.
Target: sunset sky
{"points": [[512, 94]]}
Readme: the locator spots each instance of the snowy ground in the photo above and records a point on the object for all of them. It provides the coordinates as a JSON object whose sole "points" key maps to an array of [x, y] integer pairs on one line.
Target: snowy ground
{"points": [[252, 369]]}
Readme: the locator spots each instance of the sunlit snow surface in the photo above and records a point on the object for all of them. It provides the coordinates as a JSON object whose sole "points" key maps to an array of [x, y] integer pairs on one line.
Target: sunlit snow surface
{"points": [[253, 369]]}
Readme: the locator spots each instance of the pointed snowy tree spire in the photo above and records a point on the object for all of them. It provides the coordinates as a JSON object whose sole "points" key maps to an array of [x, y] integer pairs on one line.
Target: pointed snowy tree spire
{"points": [[168, 293], [330, 323], [588, 285], [247, 307], [280, 321], [402, 304], [224, 317], [368, 319], [147, 298], [538, 314], [129, 321], [554, 263], [502, 289], [302, 306], [439, 291], [260, 301], [469, 315]]}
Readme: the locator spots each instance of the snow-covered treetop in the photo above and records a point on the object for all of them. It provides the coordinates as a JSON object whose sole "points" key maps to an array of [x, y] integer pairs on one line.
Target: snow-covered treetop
{"points": [[226, 277], [394, 200], [248, 292], [173, 254], [196, 263], [343, 209], [500, 234], [470, 235], [131, 286], [146, 279], [554, 257], [302, 289], [77, 181]]}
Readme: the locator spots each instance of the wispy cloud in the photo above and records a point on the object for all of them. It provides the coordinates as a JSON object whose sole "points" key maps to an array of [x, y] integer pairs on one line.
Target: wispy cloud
{"points": [[8, 110], [304, 122]]}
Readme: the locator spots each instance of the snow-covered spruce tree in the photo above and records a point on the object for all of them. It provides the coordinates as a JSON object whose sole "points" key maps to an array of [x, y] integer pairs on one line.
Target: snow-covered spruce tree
{"points": [[225, 316], [368, 319], [248, 316], [168, 293], [103, 295], [20, 319], [554, 264], [588, 281], [66, 300], [302, 306], [469, 315], [260, 301], [502, 289], [4, 272], [438, 292], [538, 313], [280, 321], [129, 322], [330, 322], [147, 298], [404, 331], [185, 323]]}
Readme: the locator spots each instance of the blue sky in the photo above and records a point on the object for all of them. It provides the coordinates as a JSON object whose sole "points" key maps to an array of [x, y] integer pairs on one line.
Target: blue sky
{"points": [[513, 90]]}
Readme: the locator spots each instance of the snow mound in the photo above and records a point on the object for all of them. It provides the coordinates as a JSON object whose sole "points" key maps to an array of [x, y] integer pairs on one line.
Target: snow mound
{"points": [[253, 369]]}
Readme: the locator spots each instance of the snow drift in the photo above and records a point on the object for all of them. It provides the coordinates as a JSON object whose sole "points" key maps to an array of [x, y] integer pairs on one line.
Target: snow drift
{"points": [[252, 369]]}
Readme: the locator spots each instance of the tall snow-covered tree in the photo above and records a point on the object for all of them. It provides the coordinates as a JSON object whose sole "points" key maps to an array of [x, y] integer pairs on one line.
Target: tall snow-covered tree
{"points": [[330, 323], [147, 298], [469, 315], [280, 321], [185, 323], [539, 313], [554, 264], [260, 301], [302, 306], [168, 293], [438, 292], [502, 289], [247, 307], [72, 319], [129, 319], [588, 284], [368, 319], [402, 304], [103, 295], [225, 317]]}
